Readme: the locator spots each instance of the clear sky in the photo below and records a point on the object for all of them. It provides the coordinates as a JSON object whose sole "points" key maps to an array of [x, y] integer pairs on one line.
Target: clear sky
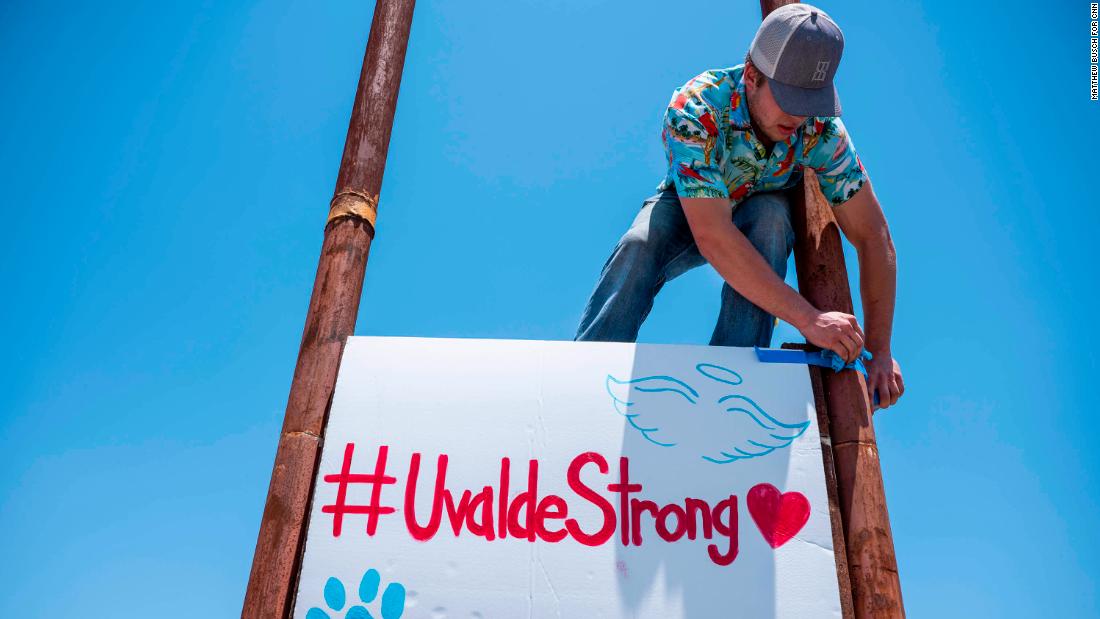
{"points": [[166, 170]]}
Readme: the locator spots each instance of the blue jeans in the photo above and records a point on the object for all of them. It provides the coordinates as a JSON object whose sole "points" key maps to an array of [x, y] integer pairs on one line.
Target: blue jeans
{"points": [[659, 246]]}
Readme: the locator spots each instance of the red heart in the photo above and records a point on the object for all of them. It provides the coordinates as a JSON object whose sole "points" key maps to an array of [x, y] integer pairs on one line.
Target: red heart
{"points": [[779, 516]]}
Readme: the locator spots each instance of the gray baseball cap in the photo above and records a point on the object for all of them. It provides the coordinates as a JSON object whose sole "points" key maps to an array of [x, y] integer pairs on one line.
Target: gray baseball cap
{"points": [[798, 48]]}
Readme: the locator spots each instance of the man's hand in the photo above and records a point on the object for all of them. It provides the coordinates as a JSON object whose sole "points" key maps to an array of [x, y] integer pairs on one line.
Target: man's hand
{"points": [[884, 375], [837, 331]]}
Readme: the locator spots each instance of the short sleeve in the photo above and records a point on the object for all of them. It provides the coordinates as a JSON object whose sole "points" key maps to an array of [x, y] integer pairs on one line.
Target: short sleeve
{"points": [[830, 153], [691, 138]]}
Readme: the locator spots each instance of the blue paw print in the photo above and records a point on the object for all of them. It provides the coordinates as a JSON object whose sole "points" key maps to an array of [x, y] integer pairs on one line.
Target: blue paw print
{"points": [[393, 599]]}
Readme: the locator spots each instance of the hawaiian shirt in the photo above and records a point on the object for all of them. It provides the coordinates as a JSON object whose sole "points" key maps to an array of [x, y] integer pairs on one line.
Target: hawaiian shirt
{"points": [[713, 153]]}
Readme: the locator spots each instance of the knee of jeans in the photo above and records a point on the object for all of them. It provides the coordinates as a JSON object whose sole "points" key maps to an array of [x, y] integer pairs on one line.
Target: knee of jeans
{"points": [[634, 258], [769, 224], [643, 242]]}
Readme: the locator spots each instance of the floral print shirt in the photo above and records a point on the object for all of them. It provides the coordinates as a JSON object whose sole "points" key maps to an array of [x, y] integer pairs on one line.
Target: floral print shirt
{"points": [[713, 153]]}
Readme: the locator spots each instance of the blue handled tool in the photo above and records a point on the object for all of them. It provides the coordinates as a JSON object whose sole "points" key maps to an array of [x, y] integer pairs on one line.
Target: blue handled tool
{"points": [[822, 358]]}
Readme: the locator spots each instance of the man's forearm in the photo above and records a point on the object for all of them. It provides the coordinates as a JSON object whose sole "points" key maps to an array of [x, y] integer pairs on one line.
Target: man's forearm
{"points": [[744, 269], [878, 287]]}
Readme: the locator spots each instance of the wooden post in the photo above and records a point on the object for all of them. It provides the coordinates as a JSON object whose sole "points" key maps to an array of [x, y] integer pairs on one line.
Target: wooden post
{"points": [[823, 280], [333, 308]]}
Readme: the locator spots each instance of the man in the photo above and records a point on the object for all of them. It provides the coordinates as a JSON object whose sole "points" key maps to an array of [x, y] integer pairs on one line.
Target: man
{"points": [[735, 138]]}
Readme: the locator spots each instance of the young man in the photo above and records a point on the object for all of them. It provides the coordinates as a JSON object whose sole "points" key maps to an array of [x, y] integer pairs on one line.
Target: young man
{"points": [[735, 138]]}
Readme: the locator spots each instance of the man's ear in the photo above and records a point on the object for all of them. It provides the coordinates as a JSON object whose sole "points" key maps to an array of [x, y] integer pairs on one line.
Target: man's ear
{"points": [[750, 77]]}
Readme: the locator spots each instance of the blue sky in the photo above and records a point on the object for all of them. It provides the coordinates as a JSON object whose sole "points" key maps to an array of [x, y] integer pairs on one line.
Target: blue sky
{"points": [[167, 169]]}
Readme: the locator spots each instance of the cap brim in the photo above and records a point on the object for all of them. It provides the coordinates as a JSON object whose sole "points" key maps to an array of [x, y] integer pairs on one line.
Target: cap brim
{"points": [[806, 101]]}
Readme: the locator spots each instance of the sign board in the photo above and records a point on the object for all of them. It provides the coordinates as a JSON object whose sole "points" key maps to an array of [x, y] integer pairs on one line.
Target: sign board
{"points": [[501, 478]]}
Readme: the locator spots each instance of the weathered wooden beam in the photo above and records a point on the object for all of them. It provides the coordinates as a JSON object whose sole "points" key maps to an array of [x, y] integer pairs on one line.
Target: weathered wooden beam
{"points": [[823, 280], [333, 308]]}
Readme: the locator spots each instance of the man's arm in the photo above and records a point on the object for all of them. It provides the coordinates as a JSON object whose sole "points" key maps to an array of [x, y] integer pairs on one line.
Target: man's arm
{"points": [[863, 223], [738, 262]]}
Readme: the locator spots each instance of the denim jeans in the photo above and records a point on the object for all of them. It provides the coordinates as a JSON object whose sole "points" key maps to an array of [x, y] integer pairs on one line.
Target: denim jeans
{"points": [[659, 246]]}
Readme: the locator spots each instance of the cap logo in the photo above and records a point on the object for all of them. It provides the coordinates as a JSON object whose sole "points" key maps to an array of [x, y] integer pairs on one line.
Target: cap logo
{"points": [[819, 74]]}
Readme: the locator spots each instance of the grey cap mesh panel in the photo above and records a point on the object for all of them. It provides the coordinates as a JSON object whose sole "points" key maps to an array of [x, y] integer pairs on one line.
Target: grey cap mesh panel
{"points": [[773, 34]]}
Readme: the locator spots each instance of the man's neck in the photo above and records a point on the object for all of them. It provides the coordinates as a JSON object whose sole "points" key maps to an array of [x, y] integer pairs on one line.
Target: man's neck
{"points": [[768, 143]]}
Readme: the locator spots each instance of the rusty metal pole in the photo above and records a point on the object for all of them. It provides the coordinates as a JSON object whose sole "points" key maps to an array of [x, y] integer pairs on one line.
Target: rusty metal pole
{"points": [[333, 308], [823, 280]]}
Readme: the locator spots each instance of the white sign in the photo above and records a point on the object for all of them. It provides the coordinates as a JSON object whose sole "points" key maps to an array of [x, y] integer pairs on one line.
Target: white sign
{"points": [[500, 479]]}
